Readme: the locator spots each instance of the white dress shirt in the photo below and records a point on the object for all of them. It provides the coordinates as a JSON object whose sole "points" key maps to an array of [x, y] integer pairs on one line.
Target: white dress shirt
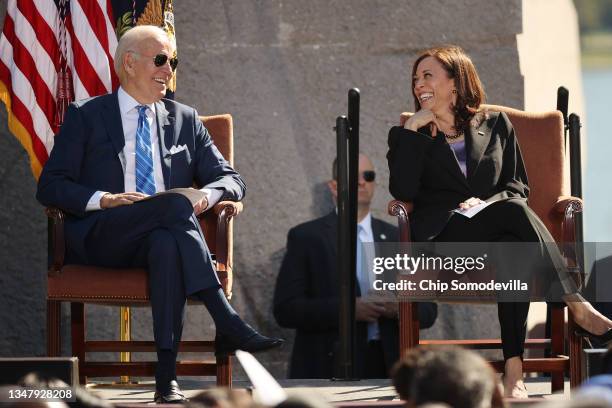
{"points": [[128, 107], [366, 235]]}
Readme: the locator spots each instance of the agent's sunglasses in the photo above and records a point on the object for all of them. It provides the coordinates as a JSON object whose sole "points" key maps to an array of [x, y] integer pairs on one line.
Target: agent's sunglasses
{"points": [[161, 60], [369, 175]]}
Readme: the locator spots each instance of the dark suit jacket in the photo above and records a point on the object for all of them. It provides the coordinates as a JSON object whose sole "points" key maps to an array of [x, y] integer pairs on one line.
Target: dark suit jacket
{"points": [[87, 157], [306, 298], [424, 170]]}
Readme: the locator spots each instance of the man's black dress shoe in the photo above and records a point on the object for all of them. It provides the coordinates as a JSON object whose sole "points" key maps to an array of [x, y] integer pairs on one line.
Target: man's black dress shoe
{"points": [[601, 339], [225, 345], [171, 395]]}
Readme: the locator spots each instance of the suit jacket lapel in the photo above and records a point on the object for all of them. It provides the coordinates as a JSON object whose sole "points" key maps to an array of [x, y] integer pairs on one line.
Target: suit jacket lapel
{"points": [[476, 141], [167, 138], [114, 127], [379, 235]]}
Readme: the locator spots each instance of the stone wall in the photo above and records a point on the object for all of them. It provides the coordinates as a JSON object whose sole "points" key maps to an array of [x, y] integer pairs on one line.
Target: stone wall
{"points": [[282, 69]]}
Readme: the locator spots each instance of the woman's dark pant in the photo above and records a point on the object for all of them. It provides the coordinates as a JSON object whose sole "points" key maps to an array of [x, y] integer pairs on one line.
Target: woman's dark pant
{"points": [[509, 220]]}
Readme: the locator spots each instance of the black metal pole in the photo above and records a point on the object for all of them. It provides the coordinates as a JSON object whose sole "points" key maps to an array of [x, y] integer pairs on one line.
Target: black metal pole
{"points": [[575, 158], [576, 179], [353, 161], [347, 139], [562, 103], [344, 367]]}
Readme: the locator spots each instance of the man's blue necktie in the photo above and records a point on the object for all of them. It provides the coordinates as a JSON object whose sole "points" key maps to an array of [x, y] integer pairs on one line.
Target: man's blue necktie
{"points": [[145, 183]]}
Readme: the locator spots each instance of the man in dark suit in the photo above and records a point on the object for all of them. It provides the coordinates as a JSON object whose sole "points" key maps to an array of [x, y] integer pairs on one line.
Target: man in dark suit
{"points": [[115, 150], [306, 296]]}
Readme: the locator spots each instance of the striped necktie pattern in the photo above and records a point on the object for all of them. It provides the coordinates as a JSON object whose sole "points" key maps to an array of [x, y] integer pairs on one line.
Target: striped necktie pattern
{"points": [[145, 182]]}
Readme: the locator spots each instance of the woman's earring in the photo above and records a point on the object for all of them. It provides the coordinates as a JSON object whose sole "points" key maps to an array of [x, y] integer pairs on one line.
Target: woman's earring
{"points": [[454, 91]]}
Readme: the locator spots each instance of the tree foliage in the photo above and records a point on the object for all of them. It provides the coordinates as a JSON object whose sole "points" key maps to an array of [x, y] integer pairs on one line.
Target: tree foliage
{"points": [[594, 15]]}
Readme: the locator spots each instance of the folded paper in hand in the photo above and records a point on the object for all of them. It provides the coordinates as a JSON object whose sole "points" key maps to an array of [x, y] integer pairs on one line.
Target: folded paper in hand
{"points": [[192, 194], [472, 211]]}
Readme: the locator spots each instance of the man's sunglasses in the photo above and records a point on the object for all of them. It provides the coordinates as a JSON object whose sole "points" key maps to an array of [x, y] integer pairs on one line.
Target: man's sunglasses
{"points": [[369, 175], [161, 60]]}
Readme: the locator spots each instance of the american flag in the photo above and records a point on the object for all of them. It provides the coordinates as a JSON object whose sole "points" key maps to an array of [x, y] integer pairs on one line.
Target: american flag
{"points": [[55, 51]]}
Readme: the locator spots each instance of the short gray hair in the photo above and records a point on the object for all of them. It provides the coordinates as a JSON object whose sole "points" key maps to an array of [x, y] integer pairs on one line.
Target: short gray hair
{"points": [[131, 40]]}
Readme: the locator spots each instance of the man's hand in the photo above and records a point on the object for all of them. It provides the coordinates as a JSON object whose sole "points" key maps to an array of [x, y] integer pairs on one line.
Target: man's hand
{"points": [[470, 202], [200, 206], [368, 311], [391, 310], [109, 200]]}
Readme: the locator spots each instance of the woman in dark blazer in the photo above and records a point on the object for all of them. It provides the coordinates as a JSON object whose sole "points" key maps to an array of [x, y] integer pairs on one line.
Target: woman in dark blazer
{"points": [[451, 155]]}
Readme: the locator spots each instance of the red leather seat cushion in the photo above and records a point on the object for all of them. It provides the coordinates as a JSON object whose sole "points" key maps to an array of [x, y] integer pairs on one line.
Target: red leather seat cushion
{"points": [[96, 284]]}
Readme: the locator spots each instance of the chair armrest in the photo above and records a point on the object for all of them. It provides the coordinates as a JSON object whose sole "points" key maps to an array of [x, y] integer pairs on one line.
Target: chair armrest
{"points": [[402, 210], [564, 201], [57, 244], [567, 207], [225, 211], [233, 206]]}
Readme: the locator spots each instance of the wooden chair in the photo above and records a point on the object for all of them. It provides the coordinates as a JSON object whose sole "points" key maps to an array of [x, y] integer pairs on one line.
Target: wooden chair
{"points": [[80, 284], [541, 139]]}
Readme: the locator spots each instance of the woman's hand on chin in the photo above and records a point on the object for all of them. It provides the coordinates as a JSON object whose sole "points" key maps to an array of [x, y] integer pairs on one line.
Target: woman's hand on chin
{"points": [[422, 118]]}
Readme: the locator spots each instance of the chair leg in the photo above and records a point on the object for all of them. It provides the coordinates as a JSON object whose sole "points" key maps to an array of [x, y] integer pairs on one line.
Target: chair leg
{"points": [[575, 354], [224, 371], [77, 323], [408, 326], [557, 381], [557, 335], [54, 324]]}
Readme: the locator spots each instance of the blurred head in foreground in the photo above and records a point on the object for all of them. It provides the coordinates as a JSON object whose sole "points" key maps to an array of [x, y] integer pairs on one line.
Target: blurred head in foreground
{"points": [[222, 398], [451, 375], [304, 400]]}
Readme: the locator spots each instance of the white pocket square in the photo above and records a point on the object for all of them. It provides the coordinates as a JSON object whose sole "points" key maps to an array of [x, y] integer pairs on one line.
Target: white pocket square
{"points": [[177, 149]]}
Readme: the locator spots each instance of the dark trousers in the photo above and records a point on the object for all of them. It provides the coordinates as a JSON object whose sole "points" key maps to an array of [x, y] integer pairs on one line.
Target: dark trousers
{"points": [[374, 361], [163, 236], [510, 221]]}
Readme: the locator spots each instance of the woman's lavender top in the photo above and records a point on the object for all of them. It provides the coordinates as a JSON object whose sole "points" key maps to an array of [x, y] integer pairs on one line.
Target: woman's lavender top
{"points": [[461, 155]]}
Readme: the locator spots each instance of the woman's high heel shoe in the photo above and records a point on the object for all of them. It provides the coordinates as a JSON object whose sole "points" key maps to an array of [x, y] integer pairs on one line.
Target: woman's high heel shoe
{"points": [[518, 391], [602, 339]]}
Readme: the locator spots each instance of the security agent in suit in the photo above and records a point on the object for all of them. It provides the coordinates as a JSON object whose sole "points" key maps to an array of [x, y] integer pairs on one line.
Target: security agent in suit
{"points": [[114, 150], [307, 297]]}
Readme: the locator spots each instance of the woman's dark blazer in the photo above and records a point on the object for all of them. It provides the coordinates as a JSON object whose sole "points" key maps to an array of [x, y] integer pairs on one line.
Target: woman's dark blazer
{"points": [[423, 169]]}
